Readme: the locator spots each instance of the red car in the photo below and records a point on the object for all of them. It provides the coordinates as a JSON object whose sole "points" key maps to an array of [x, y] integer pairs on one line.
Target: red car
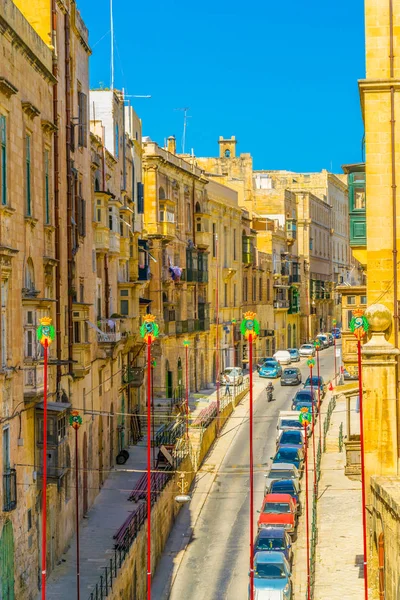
{"points": [[278, 510]]}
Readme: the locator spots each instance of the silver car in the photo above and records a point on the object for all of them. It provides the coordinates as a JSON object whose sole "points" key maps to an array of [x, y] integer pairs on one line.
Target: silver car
{"points": [[282, 471], [307, 350], [232, 376]]}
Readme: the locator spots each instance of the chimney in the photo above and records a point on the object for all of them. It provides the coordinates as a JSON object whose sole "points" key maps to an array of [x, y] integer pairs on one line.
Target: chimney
{"points": [[171, 144]]}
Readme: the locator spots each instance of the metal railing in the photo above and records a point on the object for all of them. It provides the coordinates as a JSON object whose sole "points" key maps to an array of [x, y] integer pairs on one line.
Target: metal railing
{"points": [[9, 490], [341, 437], [327, 422]]}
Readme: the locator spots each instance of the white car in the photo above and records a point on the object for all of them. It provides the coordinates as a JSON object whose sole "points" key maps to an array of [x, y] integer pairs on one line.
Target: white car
{"points": [[283, 357], [232, 376], [307, 350]]}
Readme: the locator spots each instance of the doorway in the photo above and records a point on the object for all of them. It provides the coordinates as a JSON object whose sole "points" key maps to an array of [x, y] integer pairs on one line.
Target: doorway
{"points": [[7, 562], [168, 381]]}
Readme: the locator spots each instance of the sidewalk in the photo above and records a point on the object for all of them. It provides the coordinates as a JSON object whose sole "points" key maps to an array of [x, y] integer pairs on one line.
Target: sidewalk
{"points": [[109, 511], [339, 550]]}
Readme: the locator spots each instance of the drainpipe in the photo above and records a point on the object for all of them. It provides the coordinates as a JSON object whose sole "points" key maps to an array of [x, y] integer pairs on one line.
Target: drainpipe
{"points": [[196, 314], [394, 212], [56, 193], [69, 182], [107, 288]]}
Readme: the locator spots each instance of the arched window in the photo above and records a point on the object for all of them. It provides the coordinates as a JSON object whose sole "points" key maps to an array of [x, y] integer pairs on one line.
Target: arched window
{"points": [[227, 153], [97, 184], [161, 193], [198, 207], [29, 282]]}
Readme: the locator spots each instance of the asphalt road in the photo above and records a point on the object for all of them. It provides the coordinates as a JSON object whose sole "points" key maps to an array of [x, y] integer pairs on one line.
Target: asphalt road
{"points": [[214, 565]]}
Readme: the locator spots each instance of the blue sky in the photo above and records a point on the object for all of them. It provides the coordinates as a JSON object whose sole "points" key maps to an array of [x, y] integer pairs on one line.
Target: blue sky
{"points": [[281, 76]]}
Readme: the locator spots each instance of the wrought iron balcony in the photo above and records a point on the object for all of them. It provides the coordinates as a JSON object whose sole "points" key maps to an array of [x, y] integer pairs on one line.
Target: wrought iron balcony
{"points": [[9, 490], [281, 304]]}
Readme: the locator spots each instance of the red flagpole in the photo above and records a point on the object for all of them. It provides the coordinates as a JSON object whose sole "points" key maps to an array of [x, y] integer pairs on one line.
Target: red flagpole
{"points": [[364, 515], [217, 330], [319, 400], [313, 429], [307, 518], [44, 475], [149, 468], [251, 470], [78, 590], [334, 346]]}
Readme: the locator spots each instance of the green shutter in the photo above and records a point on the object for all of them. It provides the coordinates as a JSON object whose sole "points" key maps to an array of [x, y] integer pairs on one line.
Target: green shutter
{"points": [[3, 159], [7, 562]]}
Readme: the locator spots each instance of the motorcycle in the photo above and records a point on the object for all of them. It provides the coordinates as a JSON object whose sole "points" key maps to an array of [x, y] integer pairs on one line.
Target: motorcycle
{"points": [[270, 393]]}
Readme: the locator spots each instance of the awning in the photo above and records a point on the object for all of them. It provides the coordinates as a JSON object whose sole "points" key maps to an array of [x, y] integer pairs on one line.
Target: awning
{"points": [[144, 301], [54, 406]]}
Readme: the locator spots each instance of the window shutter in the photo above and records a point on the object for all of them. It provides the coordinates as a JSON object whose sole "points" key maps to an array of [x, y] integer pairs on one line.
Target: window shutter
{"points": [[140, 198]]}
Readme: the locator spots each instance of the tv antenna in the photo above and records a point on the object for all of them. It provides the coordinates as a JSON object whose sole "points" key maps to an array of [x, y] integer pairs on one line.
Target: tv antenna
{"points": [[185, 110], [112, 45]]}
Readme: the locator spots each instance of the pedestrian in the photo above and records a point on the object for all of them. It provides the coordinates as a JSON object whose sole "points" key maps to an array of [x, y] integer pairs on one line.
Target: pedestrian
{"points": [[227, 387]]}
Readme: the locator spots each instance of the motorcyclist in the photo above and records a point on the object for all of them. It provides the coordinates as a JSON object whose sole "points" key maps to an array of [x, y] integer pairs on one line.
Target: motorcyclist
{"points": [[269, 390]]}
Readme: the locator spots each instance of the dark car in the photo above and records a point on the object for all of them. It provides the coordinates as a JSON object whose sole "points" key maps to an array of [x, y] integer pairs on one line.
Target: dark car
{"points": [[315, 381], [289, 454], [274, 539], [294, 354], [262, 361], [304, 396], [336, 333], [286, 486], [291, 437], [291, 376]]}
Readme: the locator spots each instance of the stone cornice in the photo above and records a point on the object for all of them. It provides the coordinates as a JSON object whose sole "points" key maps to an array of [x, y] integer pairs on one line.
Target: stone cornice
{"points": [[366, 86], [30, 110], [26, 51], [7, 88], [48, 127]]}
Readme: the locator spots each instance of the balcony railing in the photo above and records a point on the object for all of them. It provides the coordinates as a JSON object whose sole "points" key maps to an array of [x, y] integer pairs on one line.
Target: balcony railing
{"points": [[108, 334], [202, 276], [181, 327], [133, 376], [9, 490], [191, 275], [203, 324], [281, 303], [285, 270]]}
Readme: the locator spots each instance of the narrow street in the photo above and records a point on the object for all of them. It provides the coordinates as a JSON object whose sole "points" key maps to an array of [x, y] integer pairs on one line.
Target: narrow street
{"points": [[214, 565]]}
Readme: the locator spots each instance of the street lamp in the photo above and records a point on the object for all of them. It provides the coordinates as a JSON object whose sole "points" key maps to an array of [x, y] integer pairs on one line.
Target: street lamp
{"points": [[45, 334], [149, 331], [182, 498], [250, 328], [359, 327]]}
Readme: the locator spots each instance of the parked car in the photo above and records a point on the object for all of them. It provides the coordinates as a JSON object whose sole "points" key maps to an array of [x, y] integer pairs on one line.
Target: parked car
{"points": [[282, 471], [232, 376], [278, 510], [324, 342], [274, 539], [307, 350], [315, 381], [291, 437], [289, 423], [291, 376], [337, 334], [289, 454], [350, 376], [286, 486], [270, 369], [294, 354], [282, 357], [272, 576], [308, 405], [304, 396], [330, 339], [262, 361]]}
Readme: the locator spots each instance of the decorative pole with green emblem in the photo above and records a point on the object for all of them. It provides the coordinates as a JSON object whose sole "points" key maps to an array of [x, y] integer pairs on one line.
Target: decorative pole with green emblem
{"points": [[75, 420], [186, 343], [250, 328], [359, 327], [305, 419], [311, 364], [317, 345], [149, 331], [45, 334]]}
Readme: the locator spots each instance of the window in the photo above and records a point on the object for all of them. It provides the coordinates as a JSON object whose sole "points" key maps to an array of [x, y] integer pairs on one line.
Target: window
{"points": [[81, 212], [227, 153], [124, 307], [234, 294], [214, 240], [349, 318], [311, 243], [77, 332], [28, 181], [29, 281], [225, 294], [268, 290], [29, 515], [234, 244], [260, 289], [82, 119], [188, 218], [29, 353], [100, 383], [140, 198], [3, 160], [351, 299], [4, 293], [359, 198], [245, 289], [363, 300], [61, 428], [46, 187], [254, 295]]}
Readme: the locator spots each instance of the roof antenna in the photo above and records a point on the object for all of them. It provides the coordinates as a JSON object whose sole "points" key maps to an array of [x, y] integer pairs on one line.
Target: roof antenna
{"points": [[185, 118], [112, 44]]}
